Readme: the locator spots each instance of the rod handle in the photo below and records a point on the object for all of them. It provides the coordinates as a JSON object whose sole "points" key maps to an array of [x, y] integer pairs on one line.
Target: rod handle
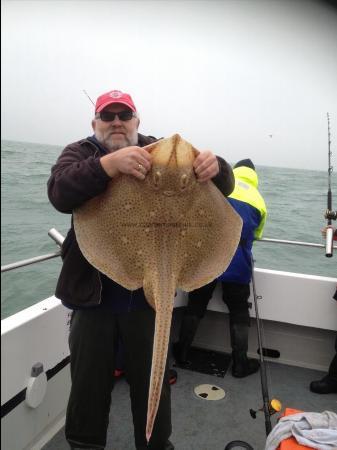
{"points": [[329, 242]]}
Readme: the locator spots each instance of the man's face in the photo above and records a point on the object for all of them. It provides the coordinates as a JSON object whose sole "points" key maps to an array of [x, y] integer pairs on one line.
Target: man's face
{"points": [[116, 134]]}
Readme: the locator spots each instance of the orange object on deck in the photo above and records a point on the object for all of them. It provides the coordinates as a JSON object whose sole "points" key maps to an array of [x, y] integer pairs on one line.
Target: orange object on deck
{"points": [[291, 443]]}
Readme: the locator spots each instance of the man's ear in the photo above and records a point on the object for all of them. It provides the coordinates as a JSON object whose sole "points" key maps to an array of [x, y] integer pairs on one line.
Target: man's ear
{"points": [[93, 124]]}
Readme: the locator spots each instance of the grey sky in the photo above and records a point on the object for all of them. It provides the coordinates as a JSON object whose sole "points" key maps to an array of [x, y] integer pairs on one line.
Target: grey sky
{"points": [[244, 78]]}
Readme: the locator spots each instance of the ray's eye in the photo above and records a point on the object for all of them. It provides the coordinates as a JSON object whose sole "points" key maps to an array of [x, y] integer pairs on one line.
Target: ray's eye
{"points": [[157, 178], [183, 181]]}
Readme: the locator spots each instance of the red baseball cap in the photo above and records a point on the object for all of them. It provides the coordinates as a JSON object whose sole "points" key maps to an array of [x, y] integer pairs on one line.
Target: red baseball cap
{"points": [[114, 97]]}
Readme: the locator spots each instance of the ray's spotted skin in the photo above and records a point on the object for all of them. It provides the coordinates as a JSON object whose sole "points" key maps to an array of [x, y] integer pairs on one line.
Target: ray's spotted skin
{"points": [[163, 233]]}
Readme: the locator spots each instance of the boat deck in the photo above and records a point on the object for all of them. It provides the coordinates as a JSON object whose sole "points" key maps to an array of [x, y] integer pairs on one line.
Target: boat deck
{"points": [[209, 425]]}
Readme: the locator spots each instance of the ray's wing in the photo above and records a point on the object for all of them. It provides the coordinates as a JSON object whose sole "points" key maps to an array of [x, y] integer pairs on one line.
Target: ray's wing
{"points": [[210, 239], [112, 233]]}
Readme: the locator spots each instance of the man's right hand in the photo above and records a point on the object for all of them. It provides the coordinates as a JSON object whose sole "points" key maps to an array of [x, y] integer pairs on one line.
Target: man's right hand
{"points": [[129, 160]]}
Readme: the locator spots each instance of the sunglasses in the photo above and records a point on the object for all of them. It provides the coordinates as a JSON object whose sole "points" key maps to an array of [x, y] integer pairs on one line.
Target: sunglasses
{"points": [[108, 116]]}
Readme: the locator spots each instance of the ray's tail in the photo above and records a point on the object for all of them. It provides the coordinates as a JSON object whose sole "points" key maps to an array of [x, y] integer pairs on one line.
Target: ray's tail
{"points": [[159, 356]]}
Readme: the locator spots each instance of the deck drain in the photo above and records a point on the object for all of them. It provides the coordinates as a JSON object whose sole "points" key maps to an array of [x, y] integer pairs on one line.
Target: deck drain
{"points": [[209, 392]]}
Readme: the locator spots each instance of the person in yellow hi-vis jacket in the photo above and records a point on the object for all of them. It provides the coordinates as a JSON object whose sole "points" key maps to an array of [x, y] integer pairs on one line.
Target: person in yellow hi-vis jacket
{"points": [[249, 203]]}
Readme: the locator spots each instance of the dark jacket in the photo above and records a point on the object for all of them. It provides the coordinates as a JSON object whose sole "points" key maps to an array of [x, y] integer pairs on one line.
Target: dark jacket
{"points": [[77, 177]]}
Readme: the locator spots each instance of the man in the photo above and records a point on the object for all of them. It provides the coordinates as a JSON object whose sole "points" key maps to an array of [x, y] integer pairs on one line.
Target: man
{"points": [[104, 310], [328, 384], [248, 202]]}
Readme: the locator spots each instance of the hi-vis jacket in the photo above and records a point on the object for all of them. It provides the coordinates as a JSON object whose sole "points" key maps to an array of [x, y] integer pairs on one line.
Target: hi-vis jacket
{"points": [[248, 202]]}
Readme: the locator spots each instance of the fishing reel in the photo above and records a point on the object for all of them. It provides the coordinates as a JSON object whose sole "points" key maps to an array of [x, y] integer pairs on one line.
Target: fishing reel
{"points": [[274, 406], [330, 215]]}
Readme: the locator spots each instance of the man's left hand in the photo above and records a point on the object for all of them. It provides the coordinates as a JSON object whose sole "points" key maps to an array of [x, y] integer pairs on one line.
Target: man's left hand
{"points": [[206, 166]]}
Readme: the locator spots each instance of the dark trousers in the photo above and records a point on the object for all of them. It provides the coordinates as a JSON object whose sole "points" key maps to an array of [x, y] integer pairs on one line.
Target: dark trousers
{"points": [[93, 334], [234, 295]]}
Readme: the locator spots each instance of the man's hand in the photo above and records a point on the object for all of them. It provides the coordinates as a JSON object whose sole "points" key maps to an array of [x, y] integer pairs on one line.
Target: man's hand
{"points": [[129, 160], [206, 166]]}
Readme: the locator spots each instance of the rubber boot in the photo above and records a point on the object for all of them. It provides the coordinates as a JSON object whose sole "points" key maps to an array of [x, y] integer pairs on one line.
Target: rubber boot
{"points": [[188, 330], [242, 365], [327, 385]]}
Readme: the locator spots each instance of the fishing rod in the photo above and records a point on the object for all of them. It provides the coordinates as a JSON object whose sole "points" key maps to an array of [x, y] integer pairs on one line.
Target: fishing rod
{"points": [[329, 214], [88, 96], [269, 406]]}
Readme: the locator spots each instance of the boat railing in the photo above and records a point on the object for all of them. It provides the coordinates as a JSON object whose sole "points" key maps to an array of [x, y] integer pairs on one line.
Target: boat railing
{"points": [[58, 238]]}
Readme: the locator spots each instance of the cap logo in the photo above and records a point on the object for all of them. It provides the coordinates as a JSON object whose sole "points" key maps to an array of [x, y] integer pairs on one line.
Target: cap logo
{"points": [[116, 94]]}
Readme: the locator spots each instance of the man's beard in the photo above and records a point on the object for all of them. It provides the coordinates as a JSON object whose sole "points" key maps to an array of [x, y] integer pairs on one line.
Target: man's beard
{"points": [[127, 141]]}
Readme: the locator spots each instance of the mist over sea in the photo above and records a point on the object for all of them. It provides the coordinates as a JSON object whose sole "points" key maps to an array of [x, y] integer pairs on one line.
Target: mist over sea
{"points": [[296, 201]]}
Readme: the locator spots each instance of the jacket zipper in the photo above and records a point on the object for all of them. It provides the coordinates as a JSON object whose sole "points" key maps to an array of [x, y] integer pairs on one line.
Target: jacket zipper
{"points": [[130, 301], [101, 288]]}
